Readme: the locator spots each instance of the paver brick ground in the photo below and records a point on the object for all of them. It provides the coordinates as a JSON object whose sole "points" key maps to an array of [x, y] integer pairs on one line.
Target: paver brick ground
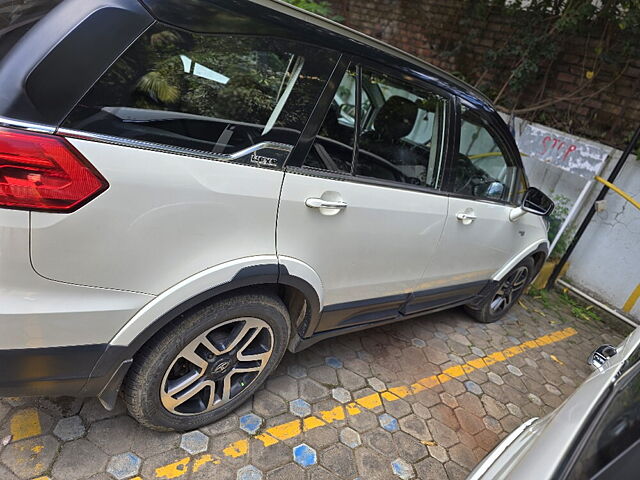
{"points": [[373, 404]]}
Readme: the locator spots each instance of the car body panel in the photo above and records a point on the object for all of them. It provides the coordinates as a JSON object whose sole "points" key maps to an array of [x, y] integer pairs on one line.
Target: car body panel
{"points": [[37, 312], [485, 248], [164, 218], [339, 247]]}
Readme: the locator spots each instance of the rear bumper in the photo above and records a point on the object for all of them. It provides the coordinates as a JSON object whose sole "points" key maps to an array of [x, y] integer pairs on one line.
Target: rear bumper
{"points": [[47, 371]]}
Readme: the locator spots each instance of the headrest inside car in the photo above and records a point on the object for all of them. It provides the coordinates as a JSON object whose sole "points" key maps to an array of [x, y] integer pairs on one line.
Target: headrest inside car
{"points": [[396, 118]]}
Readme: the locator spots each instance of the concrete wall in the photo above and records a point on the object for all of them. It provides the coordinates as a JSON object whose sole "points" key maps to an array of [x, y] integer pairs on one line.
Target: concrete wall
{"points": [[606, 262], [607, 259]]}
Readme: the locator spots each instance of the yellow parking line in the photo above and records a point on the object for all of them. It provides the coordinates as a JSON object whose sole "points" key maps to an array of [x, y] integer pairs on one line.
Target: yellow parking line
{"points": [[25, 424], [292, 429]]}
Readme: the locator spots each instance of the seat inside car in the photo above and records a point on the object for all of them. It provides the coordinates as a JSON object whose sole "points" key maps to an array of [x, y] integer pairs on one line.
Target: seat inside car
{"points": [[394, 121]]}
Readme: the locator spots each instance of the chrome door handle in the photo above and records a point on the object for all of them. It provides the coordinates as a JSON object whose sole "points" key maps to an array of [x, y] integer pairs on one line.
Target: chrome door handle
{"points": [[466, 216], [320, 203]]}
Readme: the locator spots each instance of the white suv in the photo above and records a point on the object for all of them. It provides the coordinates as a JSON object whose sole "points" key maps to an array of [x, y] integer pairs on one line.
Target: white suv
{"points": [[189, 188]]}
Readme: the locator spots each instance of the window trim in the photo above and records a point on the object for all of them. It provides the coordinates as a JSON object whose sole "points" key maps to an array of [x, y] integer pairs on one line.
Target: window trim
{"points": [[295, 162]]}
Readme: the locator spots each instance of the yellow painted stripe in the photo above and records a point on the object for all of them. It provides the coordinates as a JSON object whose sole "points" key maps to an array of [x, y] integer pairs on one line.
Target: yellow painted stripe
{"points": [[292, 429], [25, 424], [631, 301]]}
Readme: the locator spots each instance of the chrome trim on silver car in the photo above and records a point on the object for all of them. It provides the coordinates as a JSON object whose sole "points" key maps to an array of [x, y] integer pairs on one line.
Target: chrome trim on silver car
{"points": [[32, 127], [159, 147], [490, 459]]}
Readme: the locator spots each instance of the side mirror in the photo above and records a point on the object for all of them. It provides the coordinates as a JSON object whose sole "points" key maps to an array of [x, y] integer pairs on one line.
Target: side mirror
{"points": [[536, 202], [493, 190], [600, 355]]}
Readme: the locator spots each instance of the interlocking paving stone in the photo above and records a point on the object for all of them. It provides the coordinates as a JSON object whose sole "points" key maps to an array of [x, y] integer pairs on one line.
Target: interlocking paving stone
{"points": [[304, 455], [377, 384], [340, 460], [266, 404], [411, 449], [402, 469], [341, 395], [389, 423], [290, 471], [418, 342], [350, 437], [552, 389], [297, 371], [30, 458], [250, 423], [473, 387], [300, 408], [312, 391], [194, 442], [124, 466], [79, 459], [284, 386], [70, 428], [104, 433], [333, 362], [249, 473], [495, 378], [515, 370]]}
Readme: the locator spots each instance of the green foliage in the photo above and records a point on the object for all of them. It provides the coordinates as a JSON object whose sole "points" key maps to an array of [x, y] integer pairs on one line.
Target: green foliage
{"points": [[556, 219], [322, 8], [580, 309], [516, 72], [541, 295]]}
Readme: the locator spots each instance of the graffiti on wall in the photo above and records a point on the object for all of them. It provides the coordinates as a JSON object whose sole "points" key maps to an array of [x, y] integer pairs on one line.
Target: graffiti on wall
{"points": [[572, 154]]}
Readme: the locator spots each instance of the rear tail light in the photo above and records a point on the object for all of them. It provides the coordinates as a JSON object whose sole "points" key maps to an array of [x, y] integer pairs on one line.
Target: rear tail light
{"points": [[44, 172]]}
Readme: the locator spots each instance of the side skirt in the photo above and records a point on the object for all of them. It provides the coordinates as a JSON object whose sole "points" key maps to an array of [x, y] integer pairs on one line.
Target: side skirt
{"points": [[355, 316]]}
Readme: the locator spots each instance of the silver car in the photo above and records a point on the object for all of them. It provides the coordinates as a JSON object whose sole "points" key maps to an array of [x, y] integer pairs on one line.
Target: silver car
{"points": [[190, 188], [594, 434]]}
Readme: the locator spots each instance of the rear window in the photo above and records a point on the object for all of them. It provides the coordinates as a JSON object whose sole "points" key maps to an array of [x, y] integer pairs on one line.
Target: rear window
{"points": [[213, 93], [17, 17]]}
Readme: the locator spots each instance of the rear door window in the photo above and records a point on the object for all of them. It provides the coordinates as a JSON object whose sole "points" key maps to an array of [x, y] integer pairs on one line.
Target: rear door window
{"points": [[213, 93], [402, 138]]}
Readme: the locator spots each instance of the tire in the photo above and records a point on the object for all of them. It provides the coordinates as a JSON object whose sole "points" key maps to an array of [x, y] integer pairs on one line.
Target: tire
{"points": [[249, 335], [509, 289]]}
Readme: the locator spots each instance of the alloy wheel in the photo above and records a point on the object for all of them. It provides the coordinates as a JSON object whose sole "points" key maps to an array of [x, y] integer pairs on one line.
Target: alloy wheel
{"points": [[216, 366], [509, 289]]}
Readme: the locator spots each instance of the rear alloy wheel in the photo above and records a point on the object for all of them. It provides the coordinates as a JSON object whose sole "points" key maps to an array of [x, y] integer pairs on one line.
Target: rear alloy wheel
{"points": [[207, 362], [507, 293], [216, 366]]}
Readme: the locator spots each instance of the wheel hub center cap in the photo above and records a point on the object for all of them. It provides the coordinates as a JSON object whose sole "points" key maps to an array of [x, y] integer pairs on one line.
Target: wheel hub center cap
{"points": [[220, 368]]}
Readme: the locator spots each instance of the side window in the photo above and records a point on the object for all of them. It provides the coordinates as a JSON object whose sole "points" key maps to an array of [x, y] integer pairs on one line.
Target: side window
{"points": [[402, 137], [482, 169], [333, 147], [213, 93], [612, 448]]}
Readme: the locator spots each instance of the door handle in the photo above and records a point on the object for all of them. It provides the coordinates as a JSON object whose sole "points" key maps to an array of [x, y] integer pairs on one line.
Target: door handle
{"points": [[466, 217], [321, 203]]}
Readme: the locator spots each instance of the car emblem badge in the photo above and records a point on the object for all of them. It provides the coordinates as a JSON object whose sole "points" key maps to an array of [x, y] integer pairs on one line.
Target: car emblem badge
{"points": [[263, 161], [221, 367]]}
